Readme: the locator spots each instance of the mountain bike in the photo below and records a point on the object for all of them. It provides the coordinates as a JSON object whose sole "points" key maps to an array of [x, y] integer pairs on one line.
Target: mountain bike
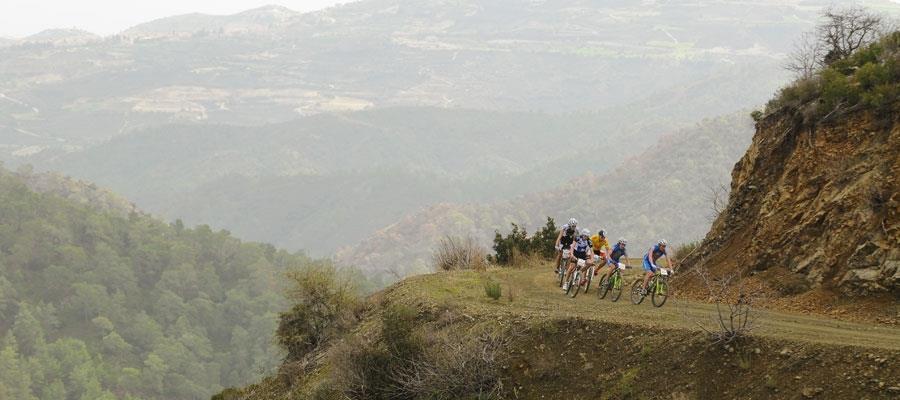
{"points": [[613, 283], [657, 288], [580, 278], [561, 268]]}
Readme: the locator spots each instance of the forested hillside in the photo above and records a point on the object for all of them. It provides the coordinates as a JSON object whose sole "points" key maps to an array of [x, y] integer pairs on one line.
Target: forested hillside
{"points": [[106, 305]]}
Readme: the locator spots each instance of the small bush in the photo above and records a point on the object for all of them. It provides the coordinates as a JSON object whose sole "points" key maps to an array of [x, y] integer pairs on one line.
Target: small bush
{"points": [[368, 369], [455, 367], [492, 290], [757, 115], [409, 361], [457, 254], [325, 304], [685, 249]]}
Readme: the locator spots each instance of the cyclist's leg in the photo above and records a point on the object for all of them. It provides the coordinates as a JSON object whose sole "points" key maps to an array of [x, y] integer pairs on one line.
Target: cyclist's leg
{"points": [[558, 258], [608, 270], [584, 270], [648, 268], [570, 269]]}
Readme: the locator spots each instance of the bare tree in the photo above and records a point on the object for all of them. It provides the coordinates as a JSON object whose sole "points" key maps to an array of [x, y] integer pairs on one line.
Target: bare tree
{"points": [[842, 31], [847, 29], [718, 200], [735, 315], [807, 57]]}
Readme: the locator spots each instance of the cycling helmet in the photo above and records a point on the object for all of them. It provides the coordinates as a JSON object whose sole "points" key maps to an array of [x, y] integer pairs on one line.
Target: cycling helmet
{"points": [[573, 222], [602, 233], [622, 241], [663, 242], [586, 232]]}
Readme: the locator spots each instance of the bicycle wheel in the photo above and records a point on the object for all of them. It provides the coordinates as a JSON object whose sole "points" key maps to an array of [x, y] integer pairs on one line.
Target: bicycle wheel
{"points": [[603, 288], [562, 273], [576, 281], [636, 296], [571, 281], [590, 278], [616, 286], [660, 292]]}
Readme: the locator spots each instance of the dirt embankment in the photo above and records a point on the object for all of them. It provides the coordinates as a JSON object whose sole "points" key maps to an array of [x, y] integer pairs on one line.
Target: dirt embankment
{"points": [[536, 343], [814, 214]]}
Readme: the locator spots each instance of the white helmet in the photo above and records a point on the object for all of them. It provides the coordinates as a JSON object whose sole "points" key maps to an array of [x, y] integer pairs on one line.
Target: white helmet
{"points": [[663, 242], [623, 241], [573, 222], [586, 232]]}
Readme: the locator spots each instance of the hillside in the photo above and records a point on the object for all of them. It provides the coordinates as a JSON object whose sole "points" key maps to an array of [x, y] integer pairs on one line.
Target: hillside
{"points": [[438, 337], [97, 302], [231, 176], [684, 168], [814, 209]]}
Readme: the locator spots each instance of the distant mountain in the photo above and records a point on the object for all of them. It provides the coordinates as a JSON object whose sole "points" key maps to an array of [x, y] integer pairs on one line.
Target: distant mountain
{"points": [[664, 192], [259, 20], [76, 191], [269, 182], [272, 65], [71, 36]]}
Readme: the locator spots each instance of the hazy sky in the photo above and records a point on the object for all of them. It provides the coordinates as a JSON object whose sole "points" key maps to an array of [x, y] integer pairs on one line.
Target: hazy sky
{"points": [[20, 18]]}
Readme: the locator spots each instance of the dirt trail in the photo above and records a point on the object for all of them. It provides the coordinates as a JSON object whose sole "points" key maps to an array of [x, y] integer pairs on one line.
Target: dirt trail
{"points": [[536, 296]]}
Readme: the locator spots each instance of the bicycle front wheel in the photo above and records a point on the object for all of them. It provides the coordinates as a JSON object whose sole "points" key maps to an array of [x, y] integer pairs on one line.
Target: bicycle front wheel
{"points": [[571, 282], [660, 292], [603, 288], [636, 296], [576, 281], [616, 286]]}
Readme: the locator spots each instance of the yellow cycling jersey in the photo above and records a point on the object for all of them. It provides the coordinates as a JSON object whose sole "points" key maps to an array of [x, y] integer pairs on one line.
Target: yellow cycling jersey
{"points": [[599, 243]]}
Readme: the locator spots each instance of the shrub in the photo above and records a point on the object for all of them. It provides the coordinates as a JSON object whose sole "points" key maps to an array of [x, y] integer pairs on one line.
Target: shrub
{"points": [[456, 253], [368, 369], [685, 249], [325, 304], [492, 290], [757, 115], [837, 90], [455, 367], [517, 243]]}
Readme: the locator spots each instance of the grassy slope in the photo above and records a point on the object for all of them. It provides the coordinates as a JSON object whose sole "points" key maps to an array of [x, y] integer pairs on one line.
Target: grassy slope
{"points": [[619, 350]]}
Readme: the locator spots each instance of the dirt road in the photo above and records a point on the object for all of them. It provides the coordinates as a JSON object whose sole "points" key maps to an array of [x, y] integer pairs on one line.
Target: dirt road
{"points": [[534, 294]]}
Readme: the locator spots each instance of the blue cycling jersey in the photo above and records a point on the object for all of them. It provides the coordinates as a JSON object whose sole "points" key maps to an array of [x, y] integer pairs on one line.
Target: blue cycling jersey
{"points": [[657, 253], [618, 251], [581, 247]]}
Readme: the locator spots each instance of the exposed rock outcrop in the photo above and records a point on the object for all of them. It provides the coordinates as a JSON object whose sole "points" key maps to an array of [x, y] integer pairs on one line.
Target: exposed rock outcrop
{"points": [[818, 203]]}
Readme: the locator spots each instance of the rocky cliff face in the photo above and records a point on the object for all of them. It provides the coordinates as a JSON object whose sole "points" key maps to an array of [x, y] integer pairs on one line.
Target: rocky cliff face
{"points": [[814, 207]]}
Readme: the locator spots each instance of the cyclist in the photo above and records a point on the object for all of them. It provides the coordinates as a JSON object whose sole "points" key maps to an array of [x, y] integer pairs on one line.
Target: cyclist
{"points": [[615, 258], [601, 248], [581, 250], [650, 259], [566, 236]]}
